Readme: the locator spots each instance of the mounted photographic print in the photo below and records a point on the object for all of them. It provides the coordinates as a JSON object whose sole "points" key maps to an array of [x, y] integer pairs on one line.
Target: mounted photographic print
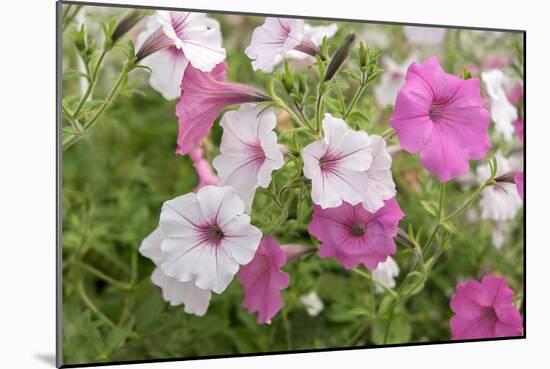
{"points": [[240, 184]]}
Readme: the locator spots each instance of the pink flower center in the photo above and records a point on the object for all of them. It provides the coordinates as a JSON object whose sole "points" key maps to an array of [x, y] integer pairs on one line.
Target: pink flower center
{"points": [[436, 112], [211, 235], [328, 163], [358, 229], [488, 318]]}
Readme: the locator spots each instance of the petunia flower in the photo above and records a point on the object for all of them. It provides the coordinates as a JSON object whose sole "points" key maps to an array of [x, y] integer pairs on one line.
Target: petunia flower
{"points": [[391, 81], [519, 180], [519, 127], [248, 151], [424, 35], [172, 41], [337, 164], [441, 117], [385, 274], [501, 201], [353, 235], [380, 185], [503, 113], [194, 299], [203, 96], [274, 39], [262, 280], [313, 303], [207, 236], [484, 310], [203, 169]]}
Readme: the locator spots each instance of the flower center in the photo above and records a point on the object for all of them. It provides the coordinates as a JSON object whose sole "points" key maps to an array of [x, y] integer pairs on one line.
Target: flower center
{"points": [[212, 235], [435, 112], [358, 229], [328, 163]]}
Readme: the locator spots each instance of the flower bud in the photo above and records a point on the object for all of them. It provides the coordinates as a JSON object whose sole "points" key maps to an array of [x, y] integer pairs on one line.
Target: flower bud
{"points": [[339, 57], [506, 178], [294, 251], [127, 23], [363, 54]]}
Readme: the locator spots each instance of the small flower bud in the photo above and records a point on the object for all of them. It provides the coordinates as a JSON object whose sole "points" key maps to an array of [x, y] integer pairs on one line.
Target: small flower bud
{"points": [[294, 251], [506, 178], [339, 57], [363, 54], [127, 23]]}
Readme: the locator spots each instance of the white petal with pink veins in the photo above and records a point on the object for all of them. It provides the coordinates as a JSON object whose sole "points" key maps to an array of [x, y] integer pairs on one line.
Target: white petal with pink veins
{"points": [[248, 151], [380, 184], [272, 40]]}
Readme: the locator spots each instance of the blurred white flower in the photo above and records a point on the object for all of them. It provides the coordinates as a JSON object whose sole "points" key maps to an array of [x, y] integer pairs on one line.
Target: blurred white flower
{"points": [[313, 303], [424, 35], [503, 113], [315, 34], [385, 274], [206, 237], [380, 185], [248, 151], [391, 81], [194, 299], [501, 201]]}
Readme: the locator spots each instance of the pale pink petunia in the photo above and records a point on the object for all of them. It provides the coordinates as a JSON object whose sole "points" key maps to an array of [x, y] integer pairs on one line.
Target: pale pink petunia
{"points": [[172, 41], [316, 34], [500, 201], [424, 35], [503, 112], [203, 96], [248, 151], [194, 299], [202, 168], [337, 164], [519, 179], [274, 39], [484, 310], [442, 117], [262, 280], [207, 236], [380, 185], [391, 81], [354, 236]]}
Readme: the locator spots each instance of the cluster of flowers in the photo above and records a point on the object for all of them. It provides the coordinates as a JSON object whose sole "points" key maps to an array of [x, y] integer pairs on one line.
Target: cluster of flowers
{"points": [[205, 238]]}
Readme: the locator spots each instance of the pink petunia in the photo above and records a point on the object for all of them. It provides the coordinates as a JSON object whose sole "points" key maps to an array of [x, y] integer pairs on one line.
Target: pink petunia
{"points": [[203, 96], [442, 117], [262, 280], [203, 169], [519, 179], [519, 127], [484, 310], [353, 235]]}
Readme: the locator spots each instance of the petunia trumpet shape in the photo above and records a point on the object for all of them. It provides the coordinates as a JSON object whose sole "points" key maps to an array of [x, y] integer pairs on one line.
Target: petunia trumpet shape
{"points": [[248, 151], [203, 96], [203, 169], [274, 39], [316, 34], [503, 113], [442, 117], [206, 237], [353, 235], [385, 274], [194, 299], [172, 41], [484, 310], [380, 185], [337, 164], [262, 280]]}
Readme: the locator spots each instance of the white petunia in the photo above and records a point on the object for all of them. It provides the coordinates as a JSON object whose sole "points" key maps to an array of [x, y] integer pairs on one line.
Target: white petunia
{"points": [[501, 201], [313, 303], [424, 35], [207, 236], [248, 151], [503, 113], [271, 41], [380, 185], [194, 299], [337, 165], [316, 34], [385, 274], [174, 39], [391, 81]]}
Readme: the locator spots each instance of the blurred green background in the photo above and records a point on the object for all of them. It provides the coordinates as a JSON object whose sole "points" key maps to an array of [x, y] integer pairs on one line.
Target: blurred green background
{"points": [[116, 179]]}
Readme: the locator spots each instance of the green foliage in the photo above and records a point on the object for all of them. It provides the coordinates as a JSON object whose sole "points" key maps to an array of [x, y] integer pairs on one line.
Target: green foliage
{"points": [[119, 170]]}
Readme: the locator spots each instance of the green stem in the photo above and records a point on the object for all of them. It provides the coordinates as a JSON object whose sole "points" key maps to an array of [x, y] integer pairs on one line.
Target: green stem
{"points": [[319, 108], [374, 281], [90, 269], [91, 86], [471, 199], [355, 98], [92, 306]]}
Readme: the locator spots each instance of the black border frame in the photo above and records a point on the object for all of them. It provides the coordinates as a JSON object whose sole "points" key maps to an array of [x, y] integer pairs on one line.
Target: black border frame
{"points": [[59, 183]]}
